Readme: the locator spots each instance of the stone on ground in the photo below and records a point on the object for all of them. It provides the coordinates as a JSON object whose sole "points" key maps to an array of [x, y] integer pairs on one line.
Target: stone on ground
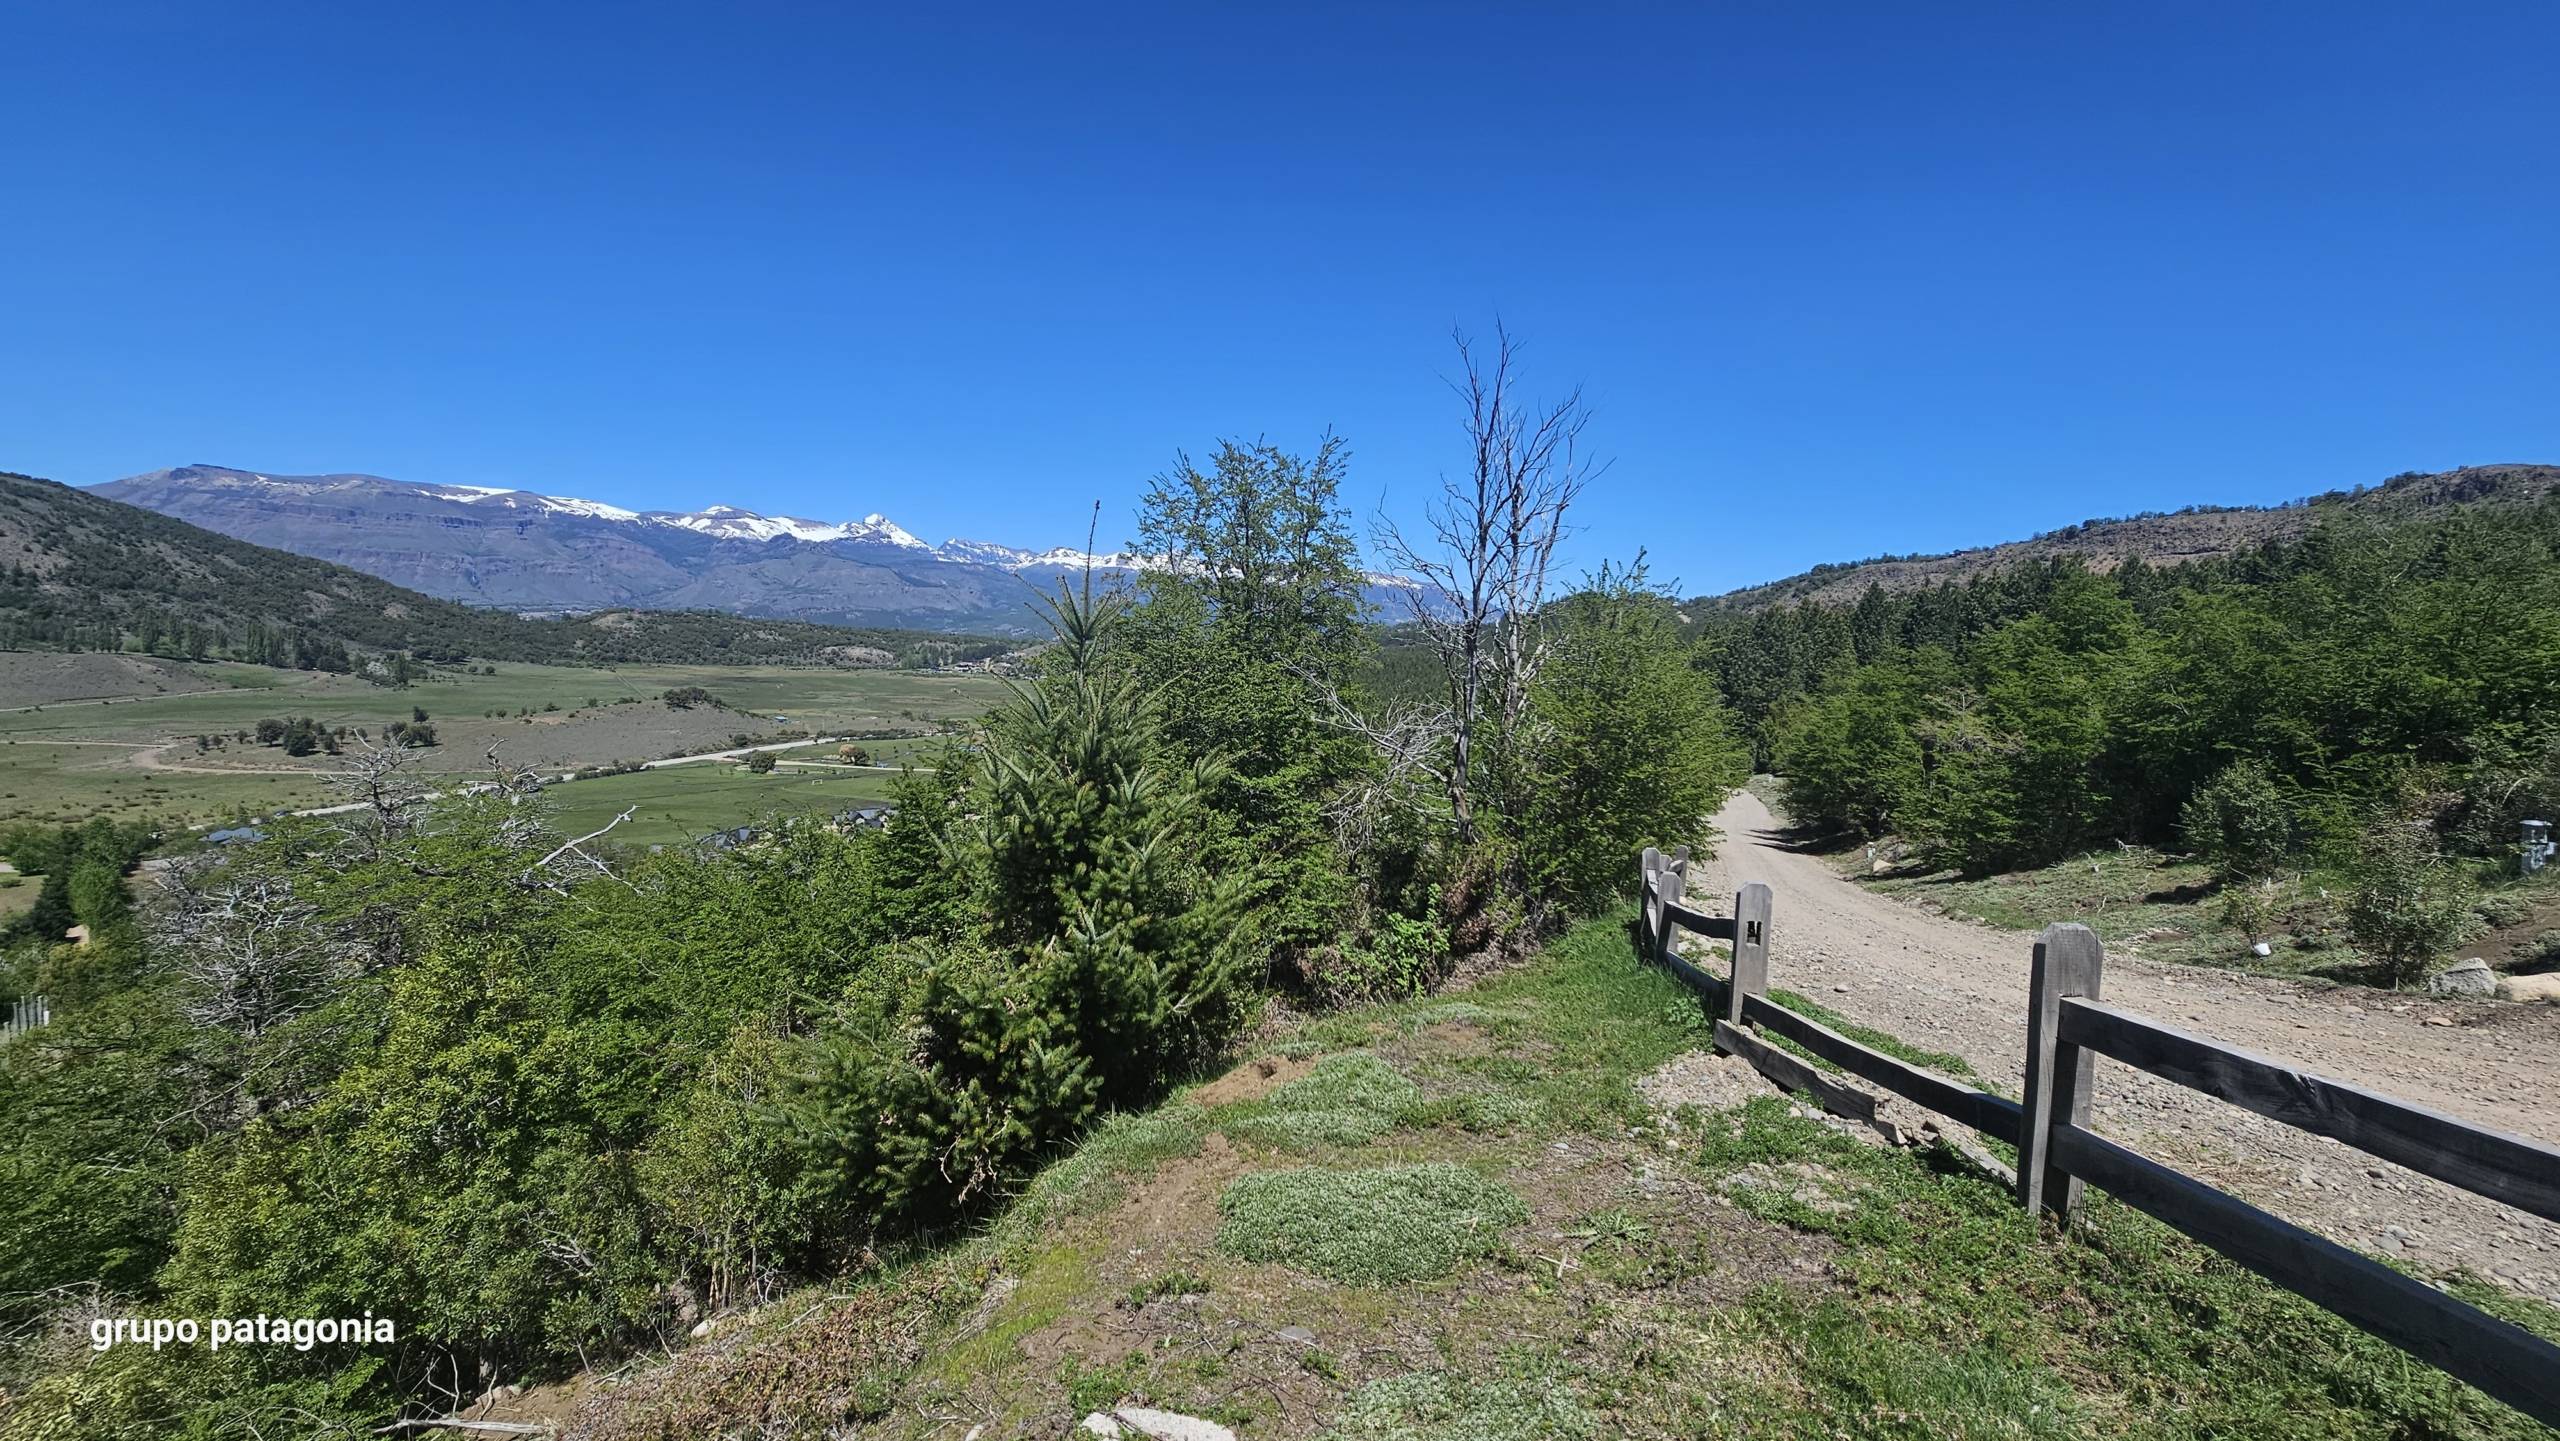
{"points": [[2464, 978], [1154, 1424], [2544, 988]]}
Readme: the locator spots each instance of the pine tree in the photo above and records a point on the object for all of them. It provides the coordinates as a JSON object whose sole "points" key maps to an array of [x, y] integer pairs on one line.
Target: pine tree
{"points": [[1104, 958]]}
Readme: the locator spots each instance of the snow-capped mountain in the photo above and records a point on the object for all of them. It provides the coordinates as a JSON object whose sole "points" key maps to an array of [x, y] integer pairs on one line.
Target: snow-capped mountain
{"points": [[728, 522], [524, 550]]}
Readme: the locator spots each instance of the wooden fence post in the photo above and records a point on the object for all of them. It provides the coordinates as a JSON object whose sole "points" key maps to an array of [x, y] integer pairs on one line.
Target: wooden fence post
{"points": [[2068, 962], [1750, 948], [1649, 901], [1673, 879]]}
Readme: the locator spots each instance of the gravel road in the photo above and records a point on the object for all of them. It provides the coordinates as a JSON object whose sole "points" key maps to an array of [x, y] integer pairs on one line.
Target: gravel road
{"points": [[1962, 988]]}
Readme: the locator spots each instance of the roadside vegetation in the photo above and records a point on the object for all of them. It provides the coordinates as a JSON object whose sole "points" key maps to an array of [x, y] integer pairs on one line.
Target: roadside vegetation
{"points": [[1513, 1243], [2344, 731]]}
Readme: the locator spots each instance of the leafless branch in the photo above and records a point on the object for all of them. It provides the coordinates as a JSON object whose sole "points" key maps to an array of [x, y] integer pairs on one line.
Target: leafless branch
{"points": [[1483, 570]]}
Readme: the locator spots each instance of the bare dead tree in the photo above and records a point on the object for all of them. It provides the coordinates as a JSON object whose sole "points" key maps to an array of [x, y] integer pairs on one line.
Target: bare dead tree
{"points": [[249, 948], [252, 954], [1484, 567], [388, 800]]}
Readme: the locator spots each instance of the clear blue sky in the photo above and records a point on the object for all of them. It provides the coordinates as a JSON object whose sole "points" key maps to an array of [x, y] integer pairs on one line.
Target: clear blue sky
{"points": [[1838, 279]]}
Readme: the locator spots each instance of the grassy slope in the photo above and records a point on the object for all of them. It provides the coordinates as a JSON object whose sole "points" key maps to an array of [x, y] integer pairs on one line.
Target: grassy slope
{"points": [[1479, 1232]]}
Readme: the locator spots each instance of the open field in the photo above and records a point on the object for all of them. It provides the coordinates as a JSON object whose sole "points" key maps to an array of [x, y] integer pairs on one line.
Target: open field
{"points": [[676, 804], [130, 748]]}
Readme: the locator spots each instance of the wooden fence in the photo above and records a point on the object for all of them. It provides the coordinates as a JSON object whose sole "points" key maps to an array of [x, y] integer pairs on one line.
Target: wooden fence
{"points": [[23, 1014], [2068, 1028]]}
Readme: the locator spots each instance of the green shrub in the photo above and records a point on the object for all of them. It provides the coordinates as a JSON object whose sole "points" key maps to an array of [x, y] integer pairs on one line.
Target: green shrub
{"points": [[1395, 957], [1382, 1227], [2239, 822], [2409, 906], [1635, 747], [2249, 907], [722, 1187], [1104, 960]]}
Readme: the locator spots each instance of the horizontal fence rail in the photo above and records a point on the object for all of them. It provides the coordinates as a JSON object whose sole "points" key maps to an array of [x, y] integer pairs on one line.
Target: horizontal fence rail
{"points": [[1993, 1116], [2523, 1174], [2504, 1360], [2068, 1028]]}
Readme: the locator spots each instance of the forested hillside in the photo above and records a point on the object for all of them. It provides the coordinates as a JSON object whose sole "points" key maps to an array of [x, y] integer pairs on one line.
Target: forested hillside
{"points": [[2198, 532], [2379, 691], [81, 572]]}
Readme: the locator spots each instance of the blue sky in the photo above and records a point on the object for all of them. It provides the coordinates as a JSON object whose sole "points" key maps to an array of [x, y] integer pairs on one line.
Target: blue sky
{"points": [[1836, 279]]}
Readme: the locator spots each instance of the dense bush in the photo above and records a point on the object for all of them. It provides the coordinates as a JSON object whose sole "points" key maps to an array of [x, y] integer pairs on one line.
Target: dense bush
{"points": [[1632, 748], [2409, 904], [1104, 957], [2239, 821]]}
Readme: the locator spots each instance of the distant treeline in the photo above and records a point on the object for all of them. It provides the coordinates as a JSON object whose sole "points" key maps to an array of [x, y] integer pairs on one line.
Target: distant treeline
{"points": [[2369, 666]]}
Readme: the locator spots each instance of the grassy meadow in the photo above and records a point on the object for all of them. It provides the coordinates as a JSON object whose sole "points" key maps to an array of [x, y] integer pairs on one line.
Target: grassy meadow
{"points": [[674, 804], [129, 750]]}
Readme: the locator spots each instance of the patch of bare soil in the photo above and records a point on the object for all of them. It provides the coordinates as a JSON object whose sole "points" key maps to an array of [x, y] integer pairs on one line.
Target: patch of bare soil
{"points": [[1953, 986], [1456, 1038], [30, 678], [1705, 1080], [564, 739], [1253, 1080]]}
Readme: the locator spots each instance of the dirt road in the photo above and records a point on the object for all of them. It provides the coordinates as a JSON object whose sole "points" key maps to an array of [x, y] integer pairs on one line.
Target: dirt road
{"points": [[1962, 988]]}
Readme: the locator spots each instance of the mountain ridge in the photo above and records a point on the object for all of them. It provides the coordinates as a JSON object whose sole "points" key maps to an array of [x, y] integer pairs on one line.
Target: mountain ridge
{"points": [[541, 554], [81, 571], [2199, 532], [532, 552]]}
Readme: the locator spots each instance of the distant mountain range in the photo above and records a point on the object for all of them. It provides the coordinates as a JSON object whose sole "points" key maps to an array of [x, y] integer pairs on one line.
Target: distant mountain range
{"points": [[80, 572], [524, 551]]}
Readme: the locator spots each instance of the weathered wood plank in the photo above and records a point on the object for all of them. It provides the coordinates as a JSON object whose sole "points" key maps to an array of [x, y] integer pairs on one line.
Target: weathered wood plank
{"points": [[1714, 928], [1984, 1112], [1750, 947], [1649, 901], [2524, 1174], [1794, 1074], [2506, 1361], [2068, 961]]}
